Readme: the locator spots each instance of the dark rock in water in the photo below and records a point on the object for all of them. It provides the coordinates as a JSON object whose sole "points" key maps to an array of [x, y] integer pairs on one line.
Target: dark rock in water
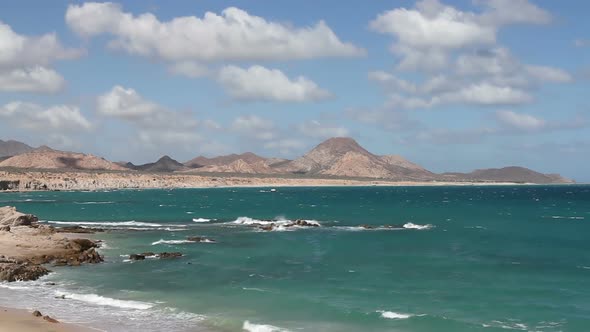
{"points": [[303, 223], [268, 227], [37, 313], [164, 255], [78, 230], [21, 271], [51, 320], [148, 254], [50, 283], [136, 257], [367, 226], [199, 239]]}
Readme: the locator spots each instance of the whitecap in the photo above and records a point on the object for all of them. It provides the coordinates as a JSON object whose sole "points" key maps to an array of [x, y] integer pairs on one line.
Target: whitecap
{"points": [[107, 301], [201, 220], [107, 223], [162, 241], [393, 315], [86, 203], [251, 327], [410, 225]]}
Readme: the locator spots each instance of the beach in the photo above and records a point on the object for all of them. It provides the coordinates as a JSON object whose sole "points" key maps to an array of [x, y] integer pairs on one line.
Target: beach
{"points": [[12, 320]]}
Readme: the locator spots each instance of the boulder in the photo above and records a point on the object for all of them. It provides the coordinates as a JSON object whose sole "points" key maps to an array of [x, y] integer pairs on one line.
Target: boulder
{"points": [[136, 257], [199, 239], [11, 217], [268, 227], [21, 271], [51, 320], [304, 223], [36, 313], [148, 254], [82, 244]]}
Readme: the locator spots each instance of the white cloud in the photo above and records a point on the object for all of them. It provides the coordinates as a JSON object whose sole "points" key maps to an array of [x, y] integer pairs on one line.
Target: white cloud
{"points": [[126, 104], [156, 123], [24, 60], [485, 94], [548, 74], [56, 119], [502, 12], [252, 126], [315, 129], [36, 79], [233, 35], [258, 83], [427, 35], [520, 121]]}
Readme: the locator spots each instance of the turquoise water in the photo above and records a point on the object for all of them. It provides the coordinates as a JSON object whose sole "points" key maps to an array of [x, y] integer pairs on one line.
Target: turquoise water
{"points": [[468, 259]]}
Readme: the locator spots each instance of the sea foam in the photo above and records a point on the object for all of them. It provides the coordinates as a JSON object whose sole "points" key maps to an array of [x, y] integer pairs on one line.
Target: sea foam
{"points": [[410, 225], [393, 315], [201, 220], [107, 301], [162, 241], [251, 327]]}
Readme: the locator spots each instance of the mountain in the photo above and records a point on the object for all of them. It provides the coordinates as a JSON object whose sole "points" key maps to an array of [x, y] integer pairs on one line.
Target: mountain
{"points": [[12, 148], [509, 174], [344, 157], [201, 161], [164, 164], [47, 158]]}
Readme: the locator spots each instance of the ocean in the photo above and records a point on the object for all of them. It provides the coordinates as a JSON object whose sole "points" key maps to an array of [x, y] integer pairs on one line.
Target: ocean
{"points": [[440, 258]]}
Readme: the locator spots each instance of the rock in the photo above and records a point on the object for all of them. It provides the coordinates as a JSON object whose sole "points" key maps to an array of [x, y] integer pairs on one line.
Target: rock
{"points": [[148, 254], [136, 257], [21, 271], [268, 227], [304, 223], [367, 226], [78, 230], [5, 228], [164, 255], [11, 217], [199, 239], [51, 320], [50, 283], [36, 313], [82, 244]]}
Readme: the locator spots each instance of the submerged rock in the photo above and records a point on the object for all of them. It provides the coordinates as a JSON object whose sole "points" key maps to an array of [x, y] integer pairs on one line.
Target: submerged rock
{"points": [[199, 239], [136, 257], [78, 230]]}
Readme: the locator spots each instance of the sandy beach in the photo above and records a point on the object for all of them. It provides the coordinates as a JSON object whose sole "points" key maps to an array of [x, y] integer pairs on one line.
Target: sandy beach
{"points": [[19, 320]]}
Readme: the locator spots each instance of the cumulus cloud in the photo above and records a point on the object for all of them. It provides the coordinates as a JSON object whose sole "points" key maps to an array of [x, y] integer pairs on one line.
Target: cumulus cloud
{"points": [[24, 61], [426, 35], [156, 123], [520, 121], [286, 146], [33, 79], [55, 119], [232, 35], [258, 83]]}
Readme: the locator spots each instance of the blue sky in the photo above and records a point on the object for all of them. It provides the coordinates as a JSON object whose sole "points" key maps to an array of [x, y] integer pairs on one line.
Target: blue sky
{"points": [[452, 85]]}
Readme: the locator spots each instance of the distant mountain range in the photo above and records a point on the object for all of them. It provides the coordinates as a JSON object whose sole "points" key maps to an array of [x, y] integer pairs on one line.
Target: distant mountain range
{"points": [[335, 157]]}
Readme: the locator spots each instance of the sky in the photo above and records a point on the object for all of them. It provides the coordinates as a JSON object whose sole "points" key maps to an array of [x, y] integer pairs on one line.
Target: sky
{"points": [[453, 85]]}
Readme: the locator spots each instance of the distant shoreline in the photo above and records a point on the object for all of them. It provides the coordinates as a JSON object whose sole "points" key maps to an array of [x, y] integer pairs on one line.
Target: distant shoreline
{"points": [[67, 180]]}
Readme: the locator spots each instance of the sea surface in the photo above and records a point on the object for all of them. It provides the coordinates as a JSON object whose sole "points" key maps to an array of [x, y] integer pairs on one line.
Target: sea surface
{"points": [[465, 258]]}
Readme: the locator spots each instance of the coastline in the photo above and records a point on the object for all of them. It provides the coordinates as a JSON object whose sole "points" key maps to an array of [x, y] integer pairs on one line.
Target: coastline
{"points": [[38, 180]]}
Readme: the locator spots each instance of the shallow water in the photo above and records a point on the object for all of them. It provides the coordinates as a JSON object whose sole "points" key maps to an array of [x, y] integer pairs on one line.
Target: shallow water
{"points": [[450, 259]]}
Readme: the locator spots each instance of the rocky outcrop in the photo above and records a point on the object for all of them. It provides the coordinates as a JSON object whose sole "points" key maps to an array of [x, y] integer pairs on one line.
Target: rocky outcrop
{"points": [[9, 216], [162, 255], [47, 158], [18, 270]]}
